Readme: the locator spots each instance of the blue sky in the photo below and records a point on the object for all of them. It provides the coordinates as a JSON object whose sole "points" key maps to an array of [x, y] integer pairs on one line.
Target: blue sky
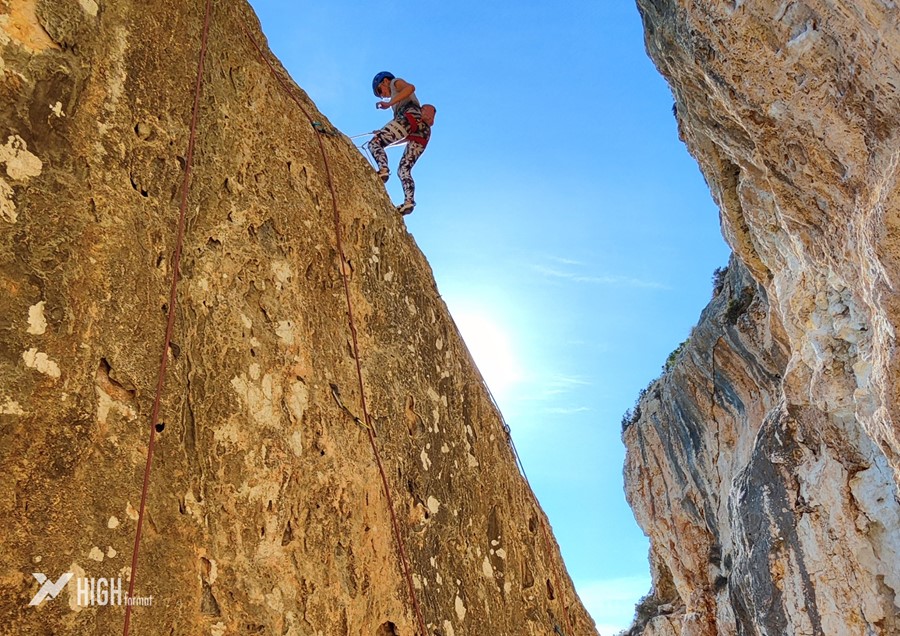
{"points": [[571, 234]]}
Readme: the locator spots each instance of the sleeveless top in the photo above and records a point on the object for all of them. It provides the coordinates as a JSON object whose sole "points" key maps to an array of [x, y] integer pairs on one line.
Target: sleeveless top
{"points": [[411, 103]]}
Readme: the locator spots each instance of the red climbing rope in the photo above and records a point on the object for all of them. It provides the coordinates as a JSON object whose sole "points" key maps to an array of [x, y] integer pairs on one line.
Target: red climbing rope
{"points": [[404, 560], [170, 319]]}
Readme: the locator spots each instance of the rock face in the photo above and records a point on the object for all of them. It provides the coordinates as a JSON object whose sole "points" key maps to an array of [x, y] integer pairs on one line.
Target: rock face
{"points": [[266, 512], [763, 464]]}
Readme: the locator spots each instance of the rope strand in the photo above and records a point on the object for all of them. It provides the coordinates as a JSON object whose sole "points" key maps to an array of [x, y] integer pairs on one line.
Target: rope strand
{"points": [[352, 325], [170, 318], [170, 322]]}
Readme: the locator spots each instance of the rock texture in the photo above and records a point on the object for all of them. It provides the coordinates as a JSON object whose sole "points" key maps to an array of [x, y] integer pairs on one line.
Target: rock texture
{"points": [[763, 465], [266, 513]]}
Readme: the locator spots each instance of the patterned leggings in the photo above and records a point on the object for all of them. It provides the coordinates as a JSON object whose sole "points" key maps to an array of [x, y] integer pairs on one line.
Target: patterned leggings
{"points": [[397, 130]]}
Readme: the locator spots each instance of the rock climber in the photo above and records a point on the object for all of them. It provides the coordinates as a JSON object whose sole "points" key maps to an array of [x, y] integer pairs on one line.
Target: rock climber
{"points": [[411, 122]]}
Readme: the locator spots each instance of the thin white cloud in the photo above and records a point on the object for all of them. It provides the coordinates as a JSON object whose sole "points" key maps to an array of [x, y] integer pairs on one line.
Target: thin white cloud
{"points": [[549, 388], [608, 280], [567, 410], [569, 381], [566, 261], [551, 272]]}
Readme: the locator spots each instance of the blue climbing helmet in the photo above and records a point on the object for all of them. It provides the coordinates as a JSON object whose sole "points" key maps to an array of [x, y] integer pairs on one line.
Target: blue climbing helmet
{"points": [[378, 79]]}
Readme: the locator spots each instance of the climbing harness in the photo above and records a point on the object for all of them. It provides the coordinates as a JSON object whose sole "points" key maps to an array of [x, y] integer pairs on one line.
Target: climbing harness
{"points": [[398, 129], [401, 547], [414, 125], [170, 319]]}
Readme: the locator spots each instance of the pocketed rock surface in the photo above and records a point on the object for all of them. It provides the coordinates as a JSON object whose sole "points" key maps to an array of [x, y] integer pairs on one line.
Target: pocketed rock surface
{"points": [[265, 513]]}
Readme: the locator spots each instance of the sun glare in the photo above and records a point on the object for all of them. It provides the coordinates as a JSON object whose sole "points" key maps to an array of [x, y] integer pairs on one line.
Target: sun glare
{"points": [[493, 351]]}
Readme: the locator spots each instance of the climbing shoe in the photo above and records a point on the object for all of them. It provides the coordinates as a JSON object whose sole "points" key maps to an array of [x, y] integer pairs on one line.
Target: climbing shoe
{"points": [[406, 207], [384, 174]]}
